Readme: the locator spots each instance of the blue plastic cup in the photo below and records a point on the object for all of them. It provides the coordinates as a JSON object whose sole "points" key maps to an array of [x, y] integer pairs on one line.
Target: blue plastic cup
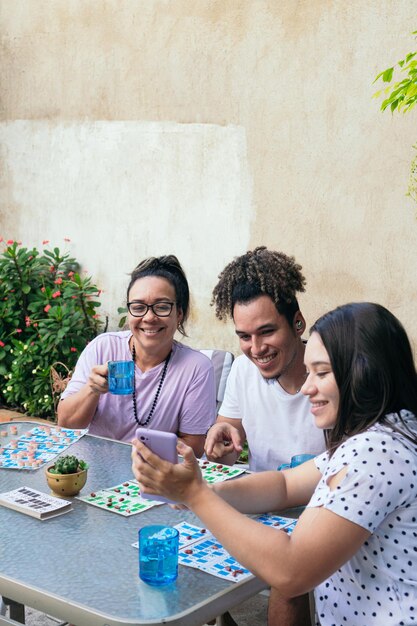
{"points": [[298, 459], [121, 377], [158, 554], [283, 466]]}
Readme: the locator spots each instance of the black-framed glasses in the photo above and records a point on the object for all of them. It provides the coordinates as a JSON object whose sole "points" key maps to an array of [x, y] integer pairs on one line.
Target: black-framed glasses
{"points": [[160, 309]]}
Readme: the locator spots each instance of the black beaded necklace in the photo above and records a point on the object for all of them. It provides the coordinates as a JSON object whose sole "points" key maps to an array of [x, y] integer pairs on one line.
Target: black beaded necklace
{"points": [[158, 391]]}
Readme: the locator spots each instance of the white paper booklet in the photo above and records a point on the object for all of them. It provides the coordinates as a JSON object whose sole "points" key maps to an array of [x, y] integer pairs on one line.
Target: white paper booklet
{"points": [[33, 502]]}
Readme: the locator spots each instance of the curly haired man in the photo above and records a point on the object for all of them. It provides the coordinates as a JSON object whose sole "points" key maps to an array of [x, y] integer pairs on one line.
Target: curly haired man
{"points": [[263, 404]]}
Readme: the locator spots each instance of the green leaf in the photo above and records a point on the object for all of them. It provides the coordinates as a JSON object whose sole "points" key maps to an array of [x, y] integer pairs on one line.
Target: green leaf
{"points": [[122, 322], [77, 279], [26, 289], [378, 76], [387, 75], [411, 91]]}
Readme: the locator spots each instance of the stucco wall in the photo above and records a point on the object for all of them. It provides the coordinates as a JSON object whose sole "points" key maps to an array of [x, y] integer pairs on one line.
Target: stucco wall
{"points": [[205, 128]]}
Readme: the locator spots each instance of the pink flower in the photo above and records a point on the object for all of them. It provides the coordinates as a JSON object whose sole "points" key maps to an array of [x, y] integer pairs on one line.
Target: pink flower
{"points": [[27, 320], [67, 239], [73, 349], [43, 289], [56, 294], [9, 242], [35, 325], [52, 268], [1, 239], [70, 274], [46, 308], [2, 344], [18, 330], [58, 281], [45, 241]]}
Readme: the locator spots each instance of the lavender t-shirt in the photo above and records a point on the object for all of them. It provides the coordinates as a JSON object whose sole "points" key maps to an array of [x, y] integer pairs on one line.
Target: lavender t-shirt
{"points": [[186, 403]]}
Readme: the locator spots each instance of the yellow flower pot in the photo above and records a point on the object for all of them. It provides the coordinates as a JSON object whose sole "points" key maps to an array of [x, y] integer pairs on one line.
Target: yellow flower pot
{"points": [[65, 485]]}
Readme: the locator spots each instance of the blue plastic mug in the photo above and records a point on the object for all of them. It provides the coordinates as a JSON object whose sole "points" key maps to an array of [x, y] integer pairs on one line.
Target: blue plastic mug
{"points": [[121, 377], [158, 554], [297, 459]]}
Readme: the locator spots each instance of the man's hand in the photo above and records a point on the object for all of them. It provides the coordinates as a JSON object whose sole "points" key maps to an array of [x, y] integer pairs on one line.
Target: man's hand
{"points": [[223, 443]]}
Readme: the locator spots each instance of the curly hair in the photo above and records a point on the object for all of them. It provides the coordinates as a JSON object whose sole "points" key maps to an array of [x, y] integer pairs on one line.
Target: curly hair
{"points": [[167, 267], [259, 272]]}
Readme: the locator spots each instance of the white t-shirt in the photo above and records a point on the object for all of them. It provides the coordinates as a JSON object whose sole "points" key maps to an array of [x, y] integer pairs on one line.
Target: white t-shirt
{"points": [[378, 585], [278, 425]]}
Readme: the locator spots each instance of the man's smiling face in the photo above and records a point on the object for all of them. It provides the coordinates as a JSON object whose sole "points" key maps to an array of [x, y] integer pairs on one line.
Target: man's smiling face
{"points": [[265, 336]]}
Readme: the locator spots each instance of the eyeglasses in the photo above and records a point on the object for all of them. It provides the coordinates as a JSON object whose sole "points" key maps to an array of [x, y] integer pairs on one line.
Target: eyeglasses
{"points": [[160, 309]]}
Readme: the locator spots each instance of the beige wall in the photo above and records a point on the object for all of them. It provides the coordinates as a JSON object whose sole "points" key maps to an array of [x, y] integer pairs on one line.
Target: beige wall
{"points": [[205, 128]]}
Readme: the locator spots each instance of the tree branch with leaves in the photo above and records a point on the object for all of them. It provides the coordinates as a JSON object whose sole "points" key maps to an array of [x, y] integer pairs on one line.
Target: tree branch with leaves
{"points": [[401, 96]]}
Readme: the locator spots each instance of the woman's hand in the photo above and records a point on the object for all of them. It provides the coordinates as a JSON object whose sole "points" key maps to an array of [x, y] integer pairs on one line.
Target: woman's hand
{"points": [[97, 380], [78, 409], [179, 482]]}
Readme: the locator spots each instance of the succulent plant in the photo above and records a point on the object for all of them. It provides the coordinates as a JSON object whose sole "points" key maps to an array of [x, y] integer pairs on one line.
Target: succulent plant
{"points": [[68, 464]]}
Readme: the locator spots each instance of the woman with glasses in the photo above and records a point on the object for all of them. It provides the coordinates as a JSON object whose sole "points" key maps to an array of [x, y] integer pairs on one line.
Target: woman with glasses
{"points": [[174, 388], [356, 541]]}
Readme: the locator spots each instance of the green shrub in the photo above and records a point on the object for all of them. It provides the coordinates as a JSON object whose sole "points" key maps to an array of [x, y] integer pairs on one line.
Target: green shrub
{"points": [[48, 313]]}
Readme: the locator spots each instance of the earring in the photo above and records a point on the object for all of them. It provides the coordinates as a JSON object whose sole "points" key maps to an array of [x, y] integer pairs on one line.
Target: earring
{"points": [[299, 325]]}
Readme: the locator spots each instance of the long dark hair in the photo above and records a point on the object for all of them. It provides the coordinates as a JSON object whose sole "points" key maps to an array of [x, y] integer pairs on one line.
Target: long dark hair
{"points": [[167, 267], [373, 365]]}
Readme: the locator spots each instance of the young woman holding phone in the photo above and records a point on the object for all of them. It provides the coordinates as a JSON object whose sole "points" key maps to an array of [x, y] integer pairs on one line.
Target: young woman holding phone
{"points": [[355, 544]]}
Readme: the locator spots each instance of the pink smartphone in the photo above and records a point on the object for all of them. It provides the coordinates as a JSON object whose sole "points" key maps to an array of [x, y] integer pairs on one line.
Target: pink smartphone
{"points": [[164, 445]]}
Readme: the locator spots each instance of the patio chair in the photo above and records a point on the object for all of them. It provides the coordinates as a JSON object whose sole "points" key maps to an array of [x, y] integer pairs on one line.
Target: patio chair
{"points": [[222, 362]]}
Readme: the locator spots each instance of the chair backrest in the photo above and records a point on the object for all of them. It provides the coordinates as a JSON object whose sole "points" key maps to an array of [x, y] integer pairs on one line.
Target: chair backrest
{"points": [[222, 362]]}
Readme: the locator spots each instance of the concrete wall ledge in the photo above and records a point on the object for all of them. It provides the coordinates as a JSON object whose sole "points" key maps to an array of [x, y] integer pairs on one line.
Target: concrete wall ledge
{"points": [[9, 415]]}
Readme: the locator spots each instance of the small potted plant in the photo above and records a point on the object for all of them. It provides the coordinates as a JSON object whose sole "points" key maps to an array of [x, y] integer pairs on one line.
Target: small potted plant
{"points": [[67, 476]]}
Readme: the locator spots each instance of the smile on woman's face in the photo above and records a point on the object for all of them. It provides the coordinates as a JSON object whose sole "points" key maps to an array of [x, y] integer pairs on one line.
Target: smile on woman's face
{"points": [[320, 385], [154, 335]]}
